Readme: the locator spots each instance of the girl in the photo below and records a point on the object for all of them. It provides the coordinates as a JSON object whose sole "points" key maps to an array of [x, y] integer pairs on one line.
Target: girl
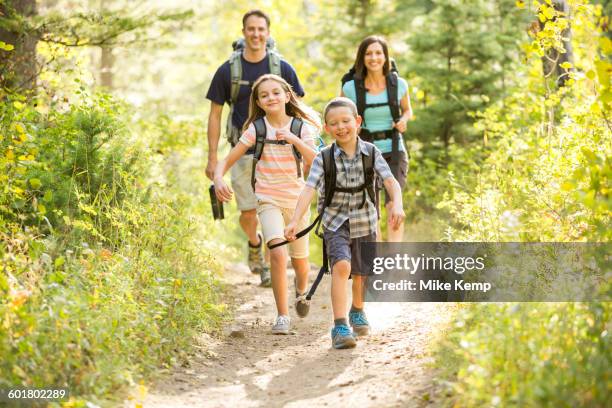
{"points": [[372, 68], [273, 110]]}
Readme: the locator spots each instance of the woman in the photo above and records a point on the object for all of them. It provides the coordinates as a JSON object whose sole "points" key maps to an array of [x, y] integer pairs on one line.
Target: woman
{"points": [[384, 117]]}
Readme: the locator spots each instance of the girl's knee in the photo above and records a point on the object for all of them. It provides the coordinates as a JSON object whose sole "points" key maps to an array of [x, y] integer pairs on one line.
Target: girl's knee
{"points": [[278, 253]]}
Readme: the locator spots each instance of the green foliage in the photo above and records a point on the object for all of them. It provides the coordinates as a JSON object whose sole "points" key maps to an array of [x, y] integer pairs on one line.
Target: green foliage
{"points": [[543, 176], [106, 273], [529, 355]]}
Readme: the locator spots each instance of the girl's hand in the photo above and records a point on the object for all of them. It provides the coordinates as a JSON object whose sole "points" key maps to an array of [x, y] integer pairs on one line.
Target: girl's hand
{"points": [[222, 190], [400, 125], [290, 231], [283, 134], [397, 216]]}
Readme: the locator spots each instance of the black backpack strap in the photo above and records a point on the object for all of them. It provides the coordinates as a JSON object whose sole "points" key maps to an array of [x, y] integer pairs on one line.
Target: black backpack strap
{"points": [[260, 139], [296, 129], [392, 94], [368, 172], [329, 174], [360, 96]]}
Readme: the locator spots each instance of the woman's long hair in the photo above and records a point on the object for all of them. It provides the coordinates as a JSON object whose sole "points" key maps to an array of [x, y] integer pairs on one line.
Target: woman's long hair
{"points": [[360, 69], [292, 108]]}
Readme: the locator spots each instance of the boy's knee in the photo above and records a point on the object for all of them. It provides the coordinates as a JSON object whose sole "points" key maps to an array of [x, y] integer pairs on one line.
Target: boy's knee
{"points": [[342, 267]]}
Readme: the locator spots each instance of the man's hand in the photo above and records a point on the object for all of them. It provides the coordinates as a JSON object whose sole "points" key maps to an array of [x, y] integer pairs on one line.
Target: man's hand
{"points": [[222, 190], [283, 134], [397, 215], [210, 167], [290, 231]]}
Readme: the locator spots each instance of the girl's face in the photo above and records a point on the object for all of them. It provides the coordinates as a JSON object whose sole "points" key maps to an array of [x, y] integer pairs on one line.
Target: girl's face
{"points": [[342, 124], [271, 97], [374, 58]]}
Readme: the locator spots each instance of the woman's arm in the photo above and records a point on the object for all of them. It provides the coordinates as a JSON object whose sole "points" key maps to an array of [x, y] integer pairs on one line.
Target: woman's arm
{"points": [[406, 113]]}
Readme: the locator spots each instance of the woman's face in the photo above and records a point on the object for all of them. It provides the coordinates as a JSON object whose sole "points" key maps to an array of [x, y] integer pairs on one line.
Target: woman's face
{"points": [[271, 97], [374, 58]]}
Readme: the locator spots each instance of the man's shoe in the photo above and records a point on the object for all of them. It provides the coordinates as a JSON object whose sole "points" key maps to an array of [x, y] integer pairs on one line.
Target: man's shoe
{"points": [[302, 305], [281, 325], [266, 278], [255, 259], [359, 323], [342, 337]]}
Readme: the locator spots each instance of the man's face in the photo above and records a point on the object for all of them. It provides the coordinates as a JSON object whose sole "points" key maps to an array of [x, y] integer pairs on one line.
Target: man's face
{"points": [[255, 32]]}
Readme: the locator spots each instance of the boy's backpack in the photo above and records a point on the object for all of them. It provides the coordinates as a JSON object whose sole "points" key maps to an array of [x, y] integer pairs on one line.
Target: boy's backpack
{"points": [[392, 91], [274, 61], [330, 187], [261, 141]]}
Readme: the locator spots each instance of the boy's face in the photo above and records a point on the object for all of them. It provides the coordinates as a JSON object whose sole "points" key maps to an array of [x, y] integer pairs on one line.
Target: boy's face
{"points": [[342, 124]]}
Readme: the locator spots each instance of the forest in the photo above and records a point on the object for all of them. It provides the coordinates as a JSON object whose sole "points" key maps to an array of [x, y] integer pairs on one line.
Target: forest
{"points": [[111, 262]]}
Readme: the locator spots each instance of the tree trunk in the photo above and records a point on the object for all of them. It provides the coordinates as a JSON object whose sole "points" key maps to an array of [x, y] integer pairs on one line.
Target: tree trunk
{"points": [[551, 62], [106, 67], [18, 69]]}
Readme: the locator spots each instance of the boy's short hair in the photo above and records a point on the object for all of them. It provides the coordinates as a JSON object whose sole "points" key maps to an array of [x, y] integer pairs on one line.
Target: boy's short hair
{"points": [[340, 102]]}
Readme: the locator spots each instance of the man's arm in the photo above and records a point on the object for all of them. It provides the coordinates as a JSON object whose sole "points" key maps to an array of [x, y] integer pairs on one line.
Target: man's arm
{"points": [[214, 133]]}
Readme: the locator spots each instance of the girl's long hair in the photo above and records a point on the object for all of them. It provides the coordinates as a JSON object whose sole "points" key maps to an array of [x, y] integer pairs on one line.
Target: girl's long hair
{"points": [[360, 69], [293, 108]]}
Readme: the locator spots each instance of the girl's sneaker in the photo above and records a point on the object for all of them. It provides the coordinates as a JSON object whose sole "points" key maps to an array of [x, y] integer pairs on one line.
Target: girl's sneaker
{"points": [[342, 337], [282, 325], [359, 323]]}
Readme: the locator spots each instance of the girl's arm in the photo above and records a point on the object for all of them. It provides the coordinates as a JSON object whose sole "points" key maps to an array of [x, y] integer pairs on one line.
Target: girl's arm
{"points": [[222, 190], [308, 152], [300, 209]]}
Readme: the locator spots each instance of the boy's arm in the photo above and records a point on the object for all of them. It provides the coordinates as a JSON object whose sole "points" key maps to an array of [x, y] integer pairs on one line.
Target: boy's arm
{"points": [[300, 209]]}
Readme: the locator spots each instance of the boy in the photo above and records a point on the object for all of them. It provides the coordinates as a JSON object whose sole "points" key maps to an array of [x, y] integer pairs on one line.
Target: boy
{"points": [[350, 218]]}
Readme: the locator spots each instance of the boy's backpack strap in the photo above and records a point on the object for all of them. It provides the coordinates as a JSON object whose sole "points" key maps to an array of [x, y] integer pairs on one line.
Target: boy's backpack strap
{"points": [[368, 171], [296, 129], [274, 61], [260, 138], [392, 95], [329, 174]]}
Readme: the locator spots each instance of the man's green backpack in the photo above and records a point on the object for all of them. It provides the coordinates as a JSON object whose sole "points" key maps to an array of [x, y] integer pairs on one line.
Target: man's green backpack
{"points": [[274, 60]]}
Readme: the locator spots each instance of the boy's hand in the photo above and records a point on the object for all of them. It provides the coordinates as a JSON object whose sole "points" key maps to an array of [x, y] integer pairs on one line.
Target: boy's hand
{"points": [[397, 216], [222, 190], [290, 231], [284, 134]]}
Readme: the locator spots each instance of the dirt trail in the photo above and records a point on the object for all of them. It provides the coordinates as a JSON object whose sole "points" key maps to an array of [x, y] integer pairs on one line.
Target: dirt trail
{"points": [[253, 368]]}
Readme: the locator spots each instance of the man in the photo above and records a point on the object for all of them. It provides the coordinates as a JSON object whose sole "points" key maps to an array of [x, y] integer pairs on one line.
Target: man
{"points": [[254, 61]]}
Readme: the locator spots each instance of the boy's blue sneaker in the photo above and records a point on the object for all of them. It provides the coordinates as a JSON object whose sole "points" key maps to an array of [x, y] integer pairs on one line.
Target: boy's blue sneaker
{"points": [[342, 337], [359, 323]]}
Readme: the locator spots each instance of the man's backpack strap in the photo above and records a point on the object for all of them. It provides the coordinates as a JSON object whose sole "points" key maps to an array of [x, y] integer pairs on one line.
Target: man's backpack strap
{"points": [[274, 61], [260, 139], [392, 94], [236, 75], [368, 172], [296, 129]]}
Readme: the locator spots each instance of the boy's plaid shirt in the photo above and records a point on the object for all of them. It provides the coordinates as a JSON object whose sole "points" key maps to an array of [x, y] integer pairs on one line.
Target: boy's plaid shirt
{"points": [[345, 206]]}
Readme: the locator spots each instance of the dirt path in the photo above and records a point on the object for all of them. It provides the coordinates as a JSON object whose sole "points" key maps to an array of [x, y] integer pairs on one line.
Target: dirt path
{"points": [[253, 368]]}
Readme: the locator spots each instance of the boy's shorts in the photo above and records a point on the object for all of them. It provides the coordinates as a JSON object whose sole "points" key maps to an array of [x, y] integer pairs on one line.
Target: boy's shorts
{"points": [[273, 220], [241, 183], [340, 247]]}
